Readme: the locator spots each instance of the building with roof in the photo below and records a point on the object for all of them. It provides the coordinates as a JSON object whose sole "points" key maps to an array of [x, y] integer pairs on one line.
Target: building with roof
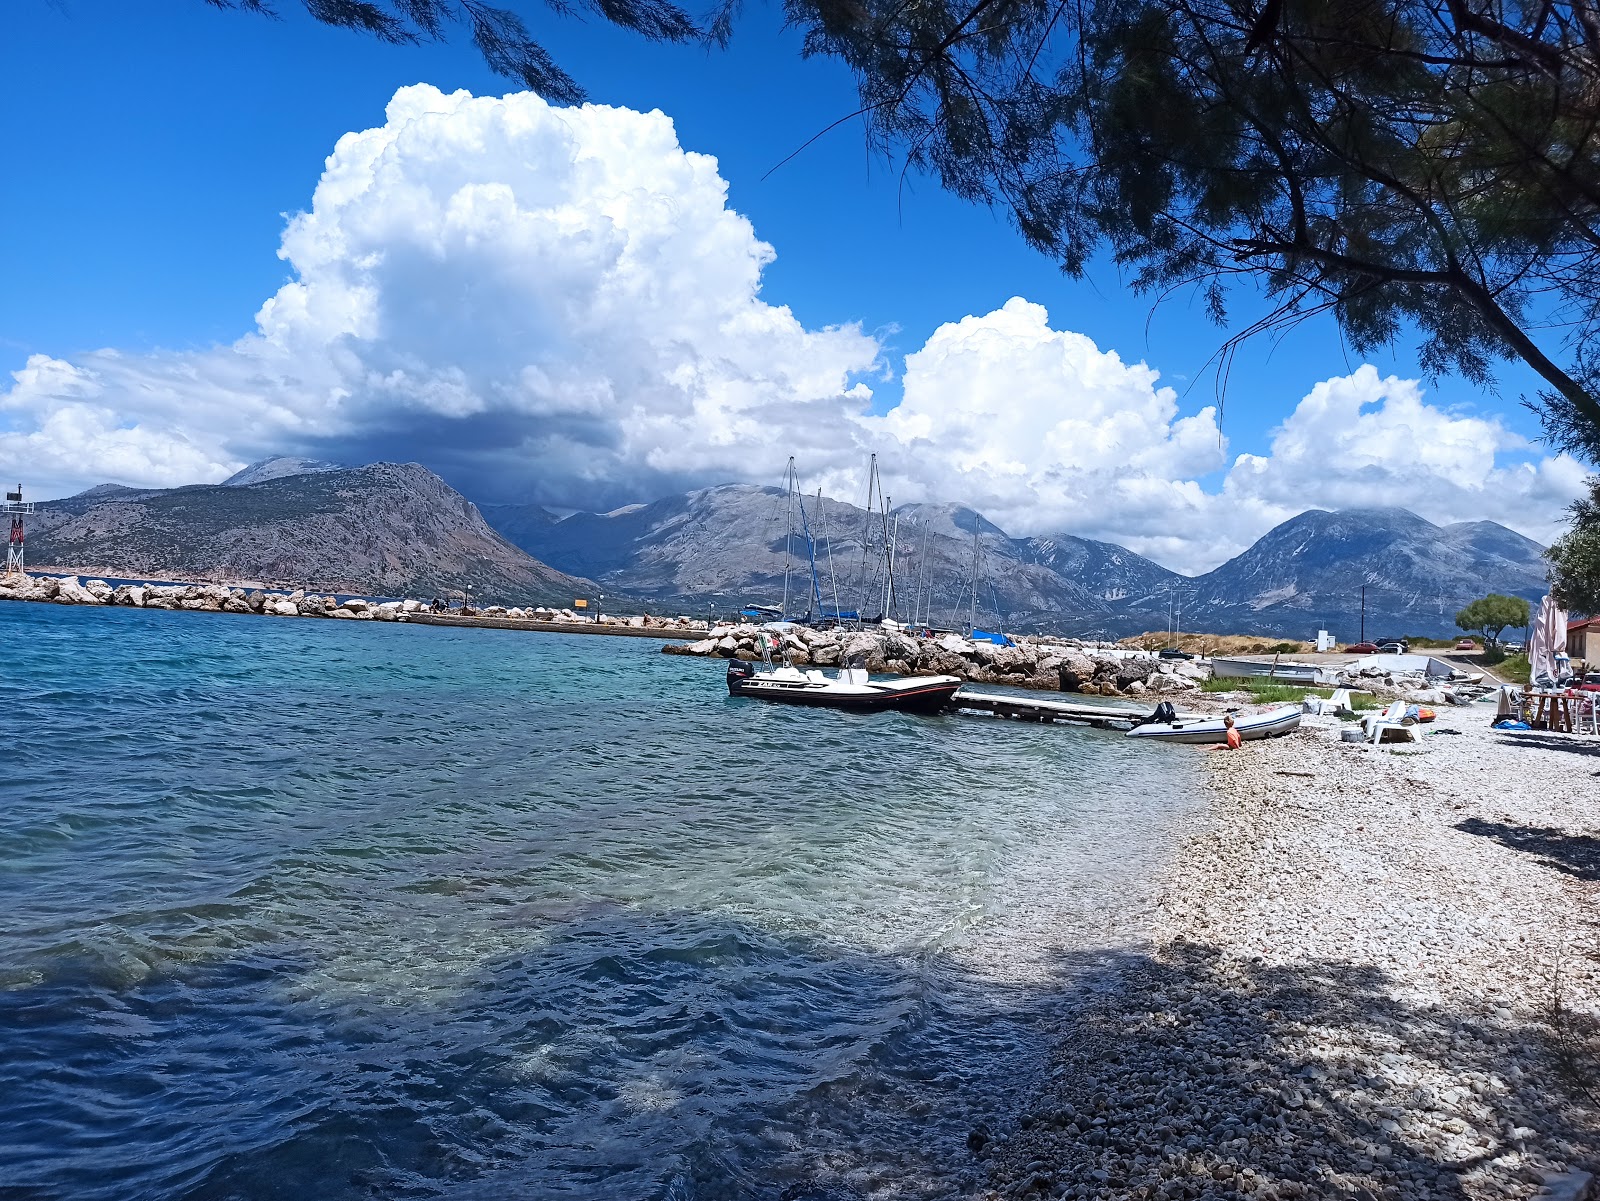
{"points": [[1583, 640]]}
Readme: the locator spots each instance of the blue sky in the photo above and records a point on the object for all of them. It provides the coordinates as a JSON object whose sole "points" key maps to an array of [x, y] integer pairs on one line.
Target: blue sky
{"points": [[156, 148], [160, 144]]}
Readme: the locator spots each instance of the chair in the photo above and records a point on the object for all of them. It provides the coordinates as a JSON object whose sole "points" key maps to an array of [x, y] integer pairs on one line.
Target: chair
{"points": [[1586, 715], [1390, 722]]}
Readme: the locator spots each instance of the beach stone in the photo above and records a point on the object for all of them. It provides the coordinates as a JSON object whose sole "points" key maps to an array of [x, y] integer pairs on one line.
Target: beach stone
{"points": [[282, 607], [727, 646]]}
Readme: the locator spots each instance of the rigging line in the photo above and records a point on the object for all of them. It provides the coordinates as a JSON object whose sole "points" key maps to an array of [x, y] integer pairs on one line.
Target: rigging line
{"points": [[788, 537], [860, 583], [922, 579], [827, 541]]}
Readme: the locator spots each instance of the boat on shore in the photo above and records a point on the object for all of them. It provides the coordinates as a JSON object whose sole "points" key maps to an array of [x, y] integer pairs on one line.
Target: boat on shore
{"points": [[1251, 726], [851, 689], [1247, 669]]}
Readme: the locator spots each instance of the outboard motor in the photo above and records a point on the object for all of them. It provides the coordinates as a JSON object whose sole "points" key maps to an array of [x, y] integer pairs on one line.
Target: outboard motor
{"points": [[1164, 715], [738, 671]]}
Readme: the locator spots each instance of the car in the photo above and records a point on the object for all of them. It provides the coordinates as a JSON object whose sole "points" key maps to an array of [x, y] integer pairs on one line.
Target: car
{"points": [[1172, 652], [1362, 648], [1391, 648], [1511, 648], [1466, 644]]}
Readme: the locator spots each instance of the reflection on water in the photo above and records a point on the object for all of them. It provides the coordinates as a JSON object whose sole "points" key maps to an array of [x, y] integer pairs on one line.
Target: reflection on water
{"points": [[312, 909]]}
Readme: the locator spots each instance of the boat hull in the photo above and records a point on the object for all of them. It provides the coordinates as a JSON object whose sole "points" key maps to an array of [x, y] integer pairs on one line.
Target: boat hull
{"points": [[1247, 669], [1253, 727], [928, 694]]}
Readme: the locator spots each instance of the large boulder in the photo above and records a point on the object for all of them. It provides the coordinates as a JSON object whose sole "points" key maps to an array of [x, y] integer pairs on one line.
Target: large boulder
{"points": [[897, 648], [70, 592], [956, 644], [1076, 670], [281, 607]]}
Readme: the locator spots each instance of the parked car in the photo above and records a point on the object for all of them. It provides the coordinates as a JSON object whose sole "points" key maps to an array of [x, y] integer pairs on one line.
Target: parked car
{"points": [[1466, 644], [1173, 652], [1362, 648], [1511, 648], [1391, 648]]}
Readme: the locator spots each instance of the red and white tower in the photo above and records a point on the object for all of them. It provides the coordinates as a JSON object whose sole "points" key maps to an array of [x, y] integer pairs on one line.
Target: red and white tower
{"points": [[16, 508]]}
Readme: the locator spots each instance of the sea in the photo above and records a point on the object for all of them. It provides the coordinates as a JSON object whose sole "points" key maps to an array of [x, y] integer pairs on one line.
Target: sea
{"points": [[304, 909]]}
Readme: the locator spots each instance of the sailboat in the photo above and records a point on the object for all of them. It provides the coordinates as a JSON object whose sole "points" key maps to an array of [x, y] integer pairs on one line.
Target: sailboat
{"points": [[996, 637]]}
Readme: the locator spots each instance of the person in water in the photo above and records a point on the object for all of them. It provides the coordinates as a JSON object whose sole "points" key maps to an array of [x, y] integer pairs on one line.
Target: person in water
{"points": [[1234, 740]]}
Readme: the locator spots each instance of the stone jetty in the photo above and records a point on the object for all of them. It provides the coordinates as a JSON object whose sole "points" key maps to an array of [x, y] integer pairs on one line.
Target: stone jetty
{"points": [[219, 598], [1039, 662]]}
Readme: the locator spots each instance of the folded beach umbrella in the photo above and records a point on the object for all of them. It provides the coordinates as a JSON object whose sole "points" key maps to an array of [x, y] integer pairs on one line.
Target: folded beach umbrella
{"points": [[1549, 638]]}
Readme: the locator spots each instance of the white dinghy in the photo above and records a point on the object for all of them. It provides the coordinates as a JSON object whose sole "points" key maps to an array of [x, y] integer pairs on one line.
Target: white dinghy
{"points": [[1251, 726]]}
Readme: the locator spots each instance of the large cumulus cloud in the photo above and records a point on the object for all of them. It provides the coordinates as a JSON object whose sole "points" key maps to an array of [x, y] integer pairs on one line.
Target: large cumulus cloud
{"points": [[558, 305]]}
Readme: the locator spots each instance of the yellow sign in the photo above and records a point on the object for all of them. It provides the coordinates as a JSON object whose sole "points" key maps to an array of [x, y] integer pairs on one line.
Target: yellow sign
{"points": [[580, 604]]}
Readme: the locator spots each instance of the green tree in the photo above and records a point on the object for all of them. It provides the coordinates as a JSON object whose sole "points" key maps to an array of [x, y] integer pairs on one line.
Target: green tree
{"points": [[1575, 557], [1491, 614]]}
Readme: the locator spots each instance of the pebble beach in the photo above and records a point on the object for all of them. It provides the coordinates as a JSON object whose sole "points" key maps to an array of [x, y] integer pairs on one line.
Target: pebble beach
{"points": [[1371, 974]]}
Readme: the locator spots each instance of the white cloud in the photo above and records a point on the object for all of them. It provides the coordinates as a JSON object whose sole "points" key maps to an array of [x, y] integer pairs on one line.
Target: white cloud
{"points": [[546, 297], [1367, 441], [558, 304], [1040, 430]]}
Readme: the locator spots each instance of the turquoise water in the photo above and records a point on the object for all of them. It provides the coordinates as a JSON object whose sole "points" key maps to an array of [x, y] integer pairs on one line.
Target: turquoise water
{"points": [[336, 910]]}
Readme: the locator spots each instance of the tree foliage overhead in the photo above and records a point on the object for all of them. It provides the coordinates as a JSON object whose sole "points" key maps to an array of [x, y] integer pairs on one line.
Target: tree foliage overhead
{"points": [[500, 34], [1490, 614], [1575, 557], [1428, 164]]}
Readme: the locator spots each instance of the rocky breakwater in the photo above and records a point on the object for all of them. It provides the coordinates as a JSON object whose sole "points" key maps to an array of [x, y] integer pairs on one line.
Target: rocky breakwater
{"points": [[202, 598], [1042, 663]]}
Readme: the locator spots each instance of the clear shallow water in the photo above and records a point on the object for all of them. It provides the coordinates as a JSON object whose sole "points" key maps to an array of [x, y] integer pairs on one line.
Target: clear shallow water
{"points": [[294, 908]]}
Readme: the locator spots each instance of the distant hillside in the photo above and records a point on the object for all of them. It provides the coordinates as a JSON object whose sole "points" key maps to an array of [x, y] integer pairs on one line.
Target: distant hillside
{"points": [[725, 545], [1309, 572], [390, 529], [386, 529]]}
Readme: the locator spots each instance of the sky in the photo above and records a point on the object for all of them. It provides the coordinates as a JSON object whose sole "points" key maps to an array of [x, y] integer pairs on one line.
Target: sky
{"points": [[226, 237]]}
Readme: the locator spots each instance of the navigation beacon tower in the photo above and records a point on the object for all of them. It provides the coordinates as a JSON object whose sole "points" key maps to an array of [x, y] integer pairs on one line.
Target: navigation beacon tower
{"points": [[16, 508]]}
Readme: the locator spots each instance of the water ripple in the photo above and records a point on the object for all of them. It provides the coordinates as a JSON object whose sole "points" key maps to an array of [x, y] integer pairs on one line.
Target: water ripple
{"points": [[337, 910]]}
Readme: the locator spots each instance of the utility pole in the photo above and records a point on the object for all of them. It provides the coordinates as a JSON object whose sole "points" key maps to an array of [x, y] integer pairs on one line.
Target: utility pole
{"points": [[1363, 613]]}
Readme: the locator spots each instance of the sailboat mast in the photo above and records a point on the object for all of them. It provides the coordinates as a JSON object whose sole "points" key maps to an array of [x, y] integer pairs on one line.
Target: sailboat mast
{"points": [[866, 538], [972, 609], [788, 537], [894, 545], [883, 607]]}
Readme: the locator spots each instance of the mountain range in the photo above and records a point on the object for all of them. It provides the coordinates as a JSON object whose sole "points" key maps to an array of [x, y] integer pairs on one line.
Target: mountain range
{"points": [[727, 544], [398, 529]]}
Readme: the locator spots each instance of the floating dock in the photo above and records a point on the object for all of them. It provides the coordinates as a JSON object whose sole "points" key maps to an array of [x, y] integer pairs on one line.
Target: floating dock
{"points": [[1027, 708]]}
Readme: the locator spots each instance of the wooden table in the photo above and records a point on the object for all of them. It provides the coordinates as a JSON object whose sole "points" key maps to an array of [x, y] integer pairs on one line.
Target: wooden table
{"points": [[1552, 711]]}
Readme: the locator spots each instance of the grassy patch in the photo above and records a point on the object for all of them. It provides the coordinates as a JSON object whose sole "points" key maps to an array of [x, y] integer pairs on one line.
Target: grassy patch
{"points": [[1514, 668], [1263, 691]]}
